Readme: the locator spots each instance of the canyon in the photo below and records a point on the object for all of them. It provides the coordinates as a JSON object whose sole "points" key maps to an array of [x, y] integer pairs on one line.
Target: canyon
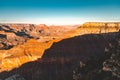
{"points": [[21, 43], [53, 46], [79, 57]]}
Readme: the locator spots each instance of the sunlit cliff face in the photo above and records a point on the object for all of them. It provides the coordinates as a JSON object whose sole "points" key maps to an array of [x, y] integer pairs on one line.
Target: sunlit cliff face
{"points": [[34, 49], [31, 49]]}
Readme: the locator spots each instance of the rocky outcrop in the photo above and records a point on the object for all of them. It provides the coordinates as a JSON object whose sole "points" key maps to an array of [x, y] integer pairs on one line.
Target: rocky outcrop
{"points": [[108, 67], [96, 28], [21, 43], [15, 77], [102, 27], [29, 51], [27, 42], [16, 34], [112, 63], [75, 58]]}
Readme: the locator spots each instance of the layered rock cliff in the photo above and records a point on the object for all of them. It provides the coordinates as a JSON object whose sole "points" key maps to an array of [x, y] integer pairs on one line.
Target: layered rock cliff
{"points": [[75, 58], [18, 55], [27, 42], [15, 34], [96, 28], [21, 43]]}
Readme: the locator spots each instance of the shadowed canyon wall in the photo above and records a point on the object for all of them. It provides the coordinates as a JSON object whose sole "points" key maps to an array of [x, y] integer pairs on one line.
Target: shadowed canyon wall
{"points": [[60, 61], [27, 42], [21, 43]]}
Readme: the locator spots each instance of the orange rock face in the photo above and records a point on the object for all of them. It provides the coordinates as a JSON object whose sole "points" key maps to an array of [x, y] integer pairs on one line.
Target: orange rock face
{"points": [[39, 38], [95, 28], [16, 34], [29, 51]]}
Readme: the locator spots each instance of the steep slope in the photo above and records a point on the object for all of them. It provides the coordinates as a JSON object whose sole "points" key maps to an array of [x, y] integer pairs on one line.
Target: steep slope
{"points": [[112, 63], [16, 34], [62, 60], [18, 55], [29, 51], [26, 42], [95, 28], [83, 46]]}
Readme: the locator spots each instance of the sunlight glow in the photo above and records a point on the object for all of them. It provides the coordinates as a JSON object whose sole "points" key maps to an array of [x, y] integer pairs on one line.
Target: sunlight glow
{"points": [[49, 21]]}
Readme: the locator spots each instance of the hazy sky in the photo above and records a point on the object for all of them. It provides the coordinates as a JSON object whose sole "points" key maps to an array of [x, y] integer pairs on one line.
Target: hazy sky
{"points": [[59, 11]]}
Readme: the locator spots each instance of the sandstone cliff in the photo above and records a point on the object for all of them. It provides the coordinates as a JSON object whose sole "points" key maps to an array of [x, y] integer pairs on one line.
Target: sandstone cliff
{"points": [[66, 58], [95, 27], [16, 35], [29, 51]]}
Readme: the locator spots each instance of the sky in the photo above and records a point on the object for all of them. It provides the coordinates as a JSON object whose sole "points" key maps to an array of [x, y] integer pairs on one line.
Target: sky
{"points": [[59, 11]]}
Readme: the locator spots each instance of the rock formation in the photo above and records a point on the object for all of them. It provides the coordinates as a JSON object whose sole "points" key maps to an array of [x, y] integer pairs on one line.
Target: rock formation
{"points": [[15, 77], [15, 34], [112, 63], [18, 55], [97, 27], [26, 42], [22, 43], [75, 58]]}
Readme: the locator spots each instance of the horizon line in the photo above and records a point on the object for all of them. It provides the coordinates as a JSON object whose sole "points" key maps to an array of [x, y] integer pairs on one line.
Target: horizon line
{"points": [[58, 23]]}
